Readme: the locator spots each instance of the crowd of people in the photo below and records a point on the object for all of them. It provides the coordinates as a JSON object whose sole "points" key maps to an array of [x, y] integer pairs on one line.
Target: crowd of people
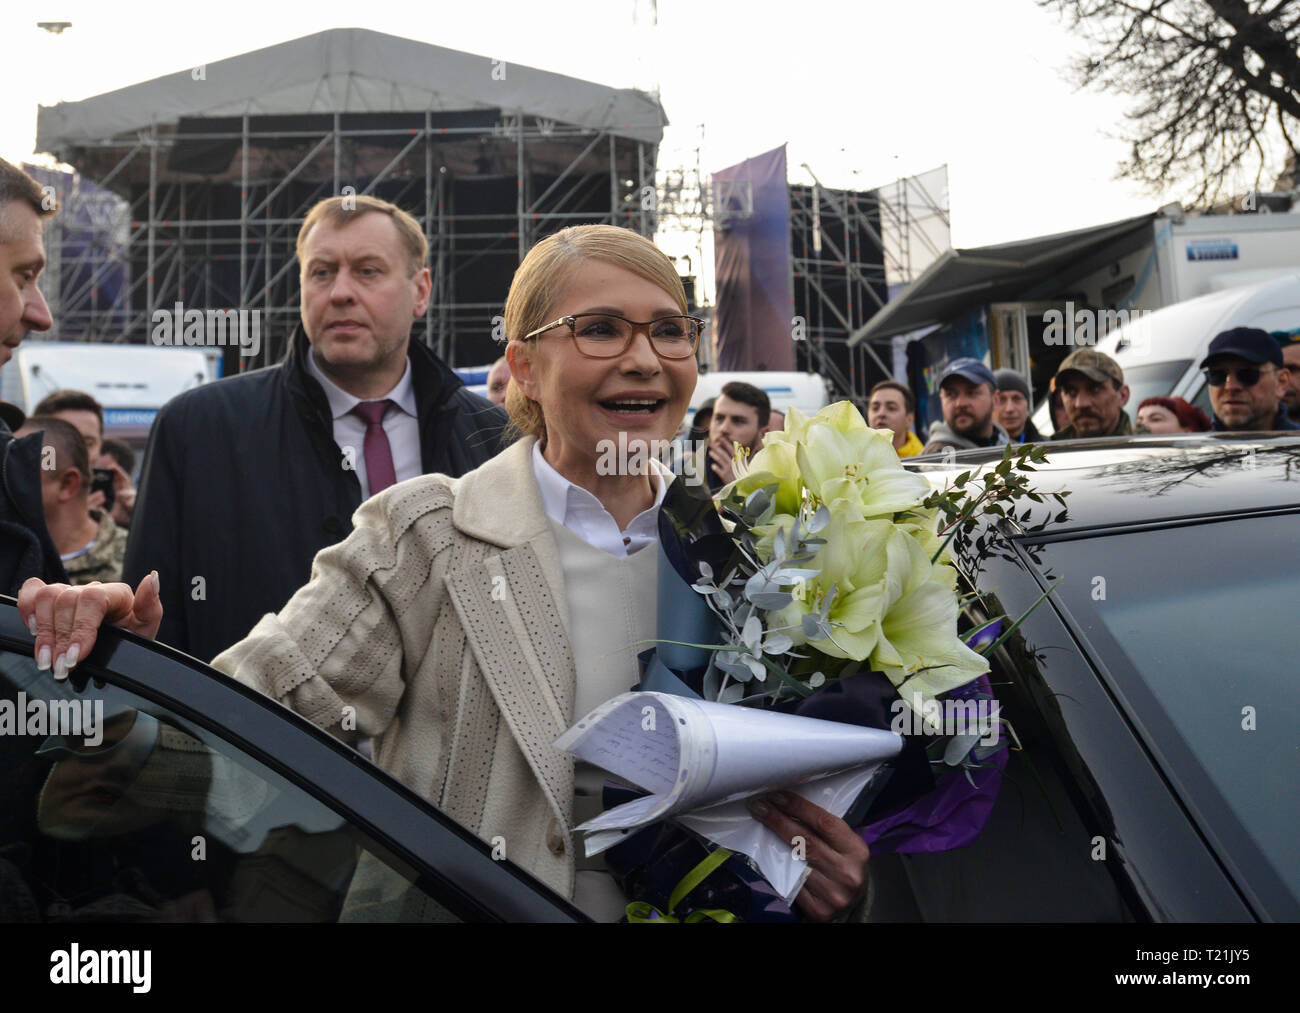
{"points": [[337, 531], [1254, 386]]}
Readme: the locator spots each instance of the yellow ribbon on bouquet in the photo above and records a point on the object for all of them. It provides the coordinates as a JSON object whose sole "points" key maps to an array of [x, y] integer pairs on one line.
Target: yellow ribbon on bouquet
{"points": [[643, 912]]}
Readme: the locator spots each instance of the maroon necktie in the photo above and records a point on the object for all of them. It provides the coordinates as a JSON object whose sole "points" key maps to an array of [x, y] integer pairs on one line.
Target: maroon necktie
{"points": [[378, 453]]}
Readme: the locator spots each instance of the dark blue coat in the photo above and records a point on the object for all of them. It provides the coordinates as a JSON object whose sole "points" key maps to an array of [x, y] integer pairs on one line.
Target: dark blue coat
{"points": [[243, 484]]}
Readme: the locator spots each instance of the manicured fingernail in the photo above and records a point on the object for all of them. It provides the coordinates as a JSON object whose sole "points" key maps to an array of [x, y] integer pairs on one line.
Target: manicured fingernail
{"points": [[60, 671], [157, 585], [758, 808], [43, 658], [31, 625], [778, 798], [74, 652]]}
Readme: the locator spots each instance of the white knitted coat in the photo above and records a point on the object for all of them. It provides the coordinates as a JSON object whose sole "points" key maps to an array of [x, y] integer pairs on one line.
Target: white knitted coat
{"points": [[441, 620]]}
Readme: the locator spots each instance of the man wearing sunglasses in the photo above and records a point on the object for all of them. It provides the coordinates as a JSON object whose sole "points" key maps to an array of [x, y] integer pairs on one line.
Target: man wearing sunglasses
{"points": [[1244, 370]]}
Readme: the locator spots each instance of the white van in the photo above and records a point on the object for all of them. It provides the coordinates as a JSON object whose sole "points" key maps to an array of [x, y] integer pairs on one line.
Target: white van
{"points": [[131, 381], [805, 391], [1161, 352]]}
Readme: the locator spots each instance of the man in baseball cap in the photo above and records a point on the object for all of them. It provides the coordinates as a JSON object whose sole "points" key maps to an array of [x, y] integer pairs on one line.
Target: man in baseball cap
{"points": [[966, 389], [1244, 370], [1094, 394]]}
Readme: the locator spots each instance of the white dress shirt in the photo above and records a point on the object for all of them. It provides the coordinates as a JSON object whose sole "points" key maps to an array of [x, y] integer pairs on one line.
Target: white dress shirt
{"points": [[582, 513], [401, 424]]}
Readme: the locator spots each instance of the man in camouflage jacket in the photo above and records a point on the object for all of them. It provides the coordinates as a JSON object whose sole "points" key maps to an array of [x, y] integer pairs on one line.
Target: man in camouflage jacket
{"points": [[102, 559]]}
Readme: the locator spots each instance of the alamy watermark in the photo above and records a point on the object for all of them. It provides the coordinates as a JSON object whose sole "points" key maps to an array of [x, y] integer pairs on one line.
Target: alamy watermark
{"points": [[194, 328], [624, 458], [80, 719], [949, 717], [1084, 326], [75, 966]]}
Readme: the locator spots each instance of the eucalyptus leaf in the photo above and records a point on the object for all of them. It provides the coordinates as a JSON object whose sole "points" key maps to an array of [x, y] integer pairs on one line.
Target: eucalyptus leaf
{"points": [[732, 694], [758, 583], [829, 601], [759, 500], [737, 670], [777, 643], [772, 601], [752, 632], [959, 746]]}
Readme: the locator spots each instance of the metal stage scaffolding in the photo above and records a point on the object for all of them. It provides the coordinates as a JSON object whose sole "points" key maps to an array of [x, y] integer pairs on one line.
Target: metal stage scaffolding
{"points": [[216, 199], [849, 249]]}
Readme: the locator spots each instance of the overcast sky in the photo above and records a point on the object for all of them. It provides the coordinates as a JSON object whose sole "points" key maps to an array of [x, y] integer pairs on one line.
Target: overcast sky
{"points": [[863, 92]]}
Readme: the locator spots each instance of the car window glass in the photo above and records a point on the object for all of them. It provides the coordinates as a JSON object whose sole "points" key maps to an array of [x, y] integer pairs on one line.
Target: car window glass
{"points": [[1205, 658], [1034, 861], [1202, 400], [114, 809]]}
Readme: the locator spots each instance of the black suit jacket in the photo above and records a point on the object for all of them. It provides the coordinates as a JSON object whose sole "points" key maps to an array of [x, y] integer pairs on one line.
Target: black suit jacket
{"points": [[243, 484]]}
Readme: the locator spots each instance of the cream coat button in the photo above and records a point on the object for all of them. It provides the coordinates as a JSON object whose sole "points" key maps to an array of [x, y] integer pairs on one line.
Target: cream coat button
{"points": [[554, 839]]}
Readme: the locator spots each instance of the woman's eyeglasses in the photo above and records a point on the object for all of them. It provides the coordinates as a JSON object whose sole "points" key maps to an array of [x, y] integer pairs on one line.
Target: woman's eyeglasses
{"points": [[607, 335], [1247, 376]]}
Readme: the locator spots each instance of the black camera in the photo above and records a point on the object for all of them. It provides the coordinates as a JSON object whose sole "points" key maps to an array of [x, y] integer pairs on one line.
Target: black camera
{"points": [[103, 482]]}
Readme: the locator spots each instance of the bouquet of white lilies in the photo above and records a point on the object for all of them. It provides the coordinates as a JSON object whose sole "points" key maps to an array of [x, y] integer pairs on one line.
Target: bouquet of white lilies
{"points": [[840, 562], [824, 592]]}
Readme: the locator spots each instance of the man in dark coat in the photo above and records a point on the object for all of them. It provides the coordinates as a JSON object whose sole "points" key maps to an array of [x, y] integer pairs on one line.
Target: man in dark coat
{"points": [[26, 549], [246, 479]]}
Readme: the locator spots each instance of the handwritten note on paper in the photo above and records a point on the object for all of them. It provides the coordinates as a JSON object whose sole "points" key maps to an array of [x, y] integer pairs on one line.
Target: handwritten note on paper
{"points": [[696, 756], [639, 747]]}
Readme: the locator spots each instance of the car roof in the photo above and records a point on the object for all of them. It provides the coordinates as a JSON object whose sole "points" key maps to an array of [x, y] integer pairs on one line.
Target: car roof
{"points": [[1123, 481]]}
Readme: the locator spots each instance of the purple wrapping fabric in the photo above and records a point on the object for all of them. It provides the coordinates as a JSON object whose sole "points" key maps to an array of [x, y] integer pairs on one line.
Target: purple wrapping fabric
{"points": [[950, 816]]}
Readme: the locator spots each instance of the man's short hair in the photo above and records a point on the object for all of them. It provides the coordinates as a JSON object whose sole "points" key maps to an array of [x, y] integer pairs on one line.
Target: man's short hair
{"points": [[338, 213], [747, 393], [69, 447], [121, 452], [909, 402], [70, 401], [16, 185]]}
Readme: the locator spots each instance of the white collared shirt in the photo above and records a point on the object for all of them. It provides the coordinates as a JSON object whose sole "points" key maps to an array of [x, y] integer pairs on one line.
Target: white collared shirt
{"points": [[582, 513], [401, 424]]}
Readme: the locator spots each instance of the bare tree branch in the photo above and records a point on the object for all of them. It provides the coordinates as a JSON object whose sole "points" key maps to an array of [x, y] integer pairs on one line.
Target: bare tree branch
{"points": [[1215, 84]]}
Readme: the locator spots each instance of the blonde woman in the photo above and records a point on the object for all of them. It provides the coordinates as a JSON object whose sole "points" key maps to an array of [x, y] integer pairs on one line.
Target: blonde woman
{"points": [[468, 622]]}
